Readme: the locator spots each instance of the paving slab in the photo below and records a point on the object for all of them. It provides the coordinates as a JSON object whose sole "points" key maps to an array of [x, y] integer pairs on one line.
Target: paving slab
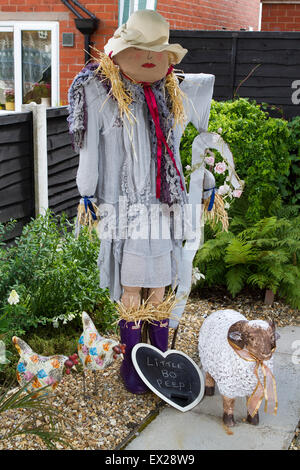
{"points": [[202, 429]]}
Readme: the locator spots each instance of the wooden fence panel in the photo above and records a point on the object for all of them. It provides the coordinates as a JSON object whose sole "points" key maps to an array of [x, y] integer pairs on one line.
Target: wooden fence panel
{"points": [[62, 164], [270, 60], [16, 171]]}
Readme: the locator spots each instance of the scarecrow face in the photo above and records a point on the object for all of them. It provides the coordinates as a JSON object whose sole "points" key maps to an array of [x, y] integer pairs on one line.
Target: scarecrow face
{"points": [[141, 65]]}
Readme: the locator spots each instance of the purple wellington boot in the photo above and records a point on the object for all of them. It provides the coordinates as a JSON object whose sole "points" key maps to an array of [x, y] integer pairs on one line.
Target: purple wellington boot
{"points": [[131, 335], [159, 334]]}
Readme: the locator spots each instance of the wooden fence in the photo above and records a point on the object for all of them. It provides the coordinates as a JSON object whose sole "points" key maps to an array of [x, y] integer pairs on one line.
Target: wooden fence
{"points": [[16, 170], [62, 164], [271, 58], [17, 185]]}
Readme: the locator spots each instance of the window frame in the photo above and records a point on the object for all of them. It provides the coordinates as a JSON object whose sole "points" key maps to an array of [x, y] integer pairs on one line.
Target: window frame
{"points": [[127, 7], [17, 27]]}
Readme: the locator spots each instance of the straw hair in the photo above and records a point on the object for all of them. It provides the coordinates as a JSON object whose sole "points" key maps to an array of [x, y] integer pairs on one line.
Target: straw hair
{"points": [[147, 311], [110, 71], [85, 218], [177, 96], [217, 214]]}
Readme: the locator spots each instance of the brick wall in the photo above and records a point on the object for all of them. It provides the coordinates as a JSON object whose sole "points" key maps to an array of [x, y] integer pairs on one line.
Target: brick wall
{"points": [[71, 58], [210, 14], [280, 17], [181, 14]]}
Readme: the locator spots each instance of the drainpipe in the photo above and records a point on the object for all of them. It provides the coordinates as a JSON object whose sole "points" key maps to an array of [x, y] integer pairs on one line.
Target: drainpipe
{"points": [[87, 26]]}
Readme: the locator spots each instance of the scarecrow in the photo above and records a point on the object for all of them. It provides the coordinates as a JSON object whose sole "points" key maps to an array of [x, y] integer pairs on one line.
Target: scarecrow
{"points": [[128, 110]]}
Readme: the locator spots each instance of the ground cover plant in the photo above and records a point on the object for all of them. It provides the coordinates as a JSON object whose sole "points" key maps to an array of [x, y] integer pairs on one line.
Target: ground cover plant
{"points": [[47, 278]]}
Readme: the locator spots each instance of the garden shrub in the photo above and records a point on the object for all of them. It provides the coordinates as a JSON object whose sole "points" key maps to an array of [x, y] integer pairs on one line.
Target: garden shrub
{"points": [[260, 146], [265, 255], [290, 184], [54, 275]]}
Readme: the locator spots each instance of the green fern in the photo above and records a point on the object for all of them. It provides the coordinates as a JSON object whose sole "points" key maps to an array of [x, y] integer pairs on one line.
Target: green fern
{"points": [[236, 278], [265, 255]]}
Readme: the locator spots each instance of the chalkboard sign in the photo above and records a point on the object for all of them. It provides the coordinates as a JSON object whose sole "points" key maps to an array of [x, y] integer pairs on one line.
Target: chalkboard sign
{"points": [[172, 375]]}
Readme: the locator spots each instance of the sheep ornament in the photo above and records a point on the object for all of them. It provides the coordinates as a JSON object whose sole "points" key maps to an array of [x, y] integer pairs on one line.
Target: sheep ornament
{"points": [[236, 354]]}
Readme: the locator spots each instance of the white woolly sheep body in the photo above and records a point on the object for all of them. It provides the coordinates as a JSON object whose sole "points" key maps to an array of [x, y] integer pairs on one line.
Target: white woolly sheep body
{"points": [[233, 375]]}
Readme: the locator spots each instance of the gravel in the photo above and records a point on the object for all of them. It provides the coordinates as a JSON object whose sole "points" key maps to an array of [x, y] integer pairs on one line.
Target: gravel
{"points": [[107, 420]]}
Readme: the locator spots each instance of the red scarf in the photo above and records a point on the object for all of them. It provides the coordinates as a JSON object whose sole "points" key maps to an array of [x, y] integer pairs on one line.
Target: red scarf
{"points": [[153, 109]]}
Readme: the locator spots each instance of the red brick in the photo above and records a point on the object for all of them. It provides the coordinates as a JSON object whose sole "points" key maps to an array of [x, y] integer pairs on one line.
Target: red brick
{"points": [[9, 8]]}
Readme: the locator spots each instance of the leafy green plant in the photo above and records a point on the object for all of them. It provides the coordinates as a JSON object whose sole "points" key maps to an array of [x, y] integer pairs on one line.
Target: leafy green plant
{"points": [[41, 90], [265, 255], [54, 274], [260, 146], [290, 184], [10, 96]]}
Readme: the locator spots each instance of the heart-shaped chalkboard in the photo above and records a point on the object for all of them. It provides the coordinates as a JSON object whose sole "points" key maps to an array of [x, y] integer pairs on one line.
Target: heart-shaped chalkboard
{"points": [[172, 375]]}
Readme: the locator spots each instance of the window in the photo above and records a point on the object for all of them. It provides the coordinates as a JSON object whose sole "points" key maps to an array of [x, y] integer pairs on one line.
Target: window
{"points": [[29, 63], [126, 7]]}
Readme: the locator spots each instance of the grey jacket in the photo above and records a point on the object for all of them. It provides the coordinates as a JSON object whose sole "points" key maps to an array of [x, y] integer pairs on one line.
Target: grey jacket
{"points": [[117, 169]]}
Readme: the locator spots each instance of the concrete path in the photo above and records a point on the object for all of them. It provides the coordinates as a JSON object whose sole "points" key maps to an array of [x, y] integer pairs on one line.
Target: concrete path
{"points": [[202, 429]]}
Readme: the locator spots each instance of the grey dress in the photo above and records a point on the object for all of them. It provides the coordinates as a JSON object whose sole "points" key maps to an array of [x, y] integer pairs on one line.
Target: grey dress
{"points": [[118, 167]]}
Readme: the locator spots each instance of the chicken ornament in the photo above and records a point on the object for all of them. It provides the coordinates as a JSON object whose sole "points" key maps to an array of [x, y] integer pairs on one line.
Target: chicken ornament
{"points": [[128, 109], [41, 371], [95, 351]]}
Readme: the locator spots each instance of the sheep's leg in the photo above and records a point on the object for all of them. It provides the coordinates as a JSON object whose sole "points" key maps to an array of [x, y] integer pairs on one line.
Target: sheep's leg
{"points": [[228, 408], [252, 419], [209, 385]]}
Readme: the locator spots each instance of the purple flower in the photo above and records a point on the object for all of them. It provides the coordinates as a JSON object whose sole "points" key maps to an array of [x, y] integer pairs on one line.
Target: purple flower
{"points": [[28, 376]]}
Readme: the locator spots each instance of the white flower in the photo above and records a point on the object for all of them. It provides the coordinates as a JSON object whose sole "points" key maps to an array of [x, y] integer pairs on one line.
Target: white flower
{"points": [[13, 299], [210, 161], [224, 189], [188, 167], [220, 167], [237, 193], [226, 205], [196, 275], [220, 130]]}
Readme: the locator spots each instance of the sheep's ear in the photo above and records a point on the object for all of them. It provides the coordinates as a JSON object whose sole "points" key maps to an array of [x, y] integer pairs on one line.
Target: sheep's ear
{"points": [[273, 326], [235, 334]]}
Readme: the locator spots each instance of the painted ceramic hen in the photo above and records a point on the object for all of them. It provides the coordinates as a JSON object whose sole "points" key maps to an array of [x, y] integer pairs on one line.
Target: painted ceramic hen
{"points": [[95, 351], [44, 370]]}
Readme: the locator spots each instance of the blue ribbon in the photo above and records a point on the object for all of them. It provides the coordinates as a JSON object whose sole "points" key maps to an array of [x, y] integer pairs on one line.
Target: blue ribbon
{"points": [[88, 204], [212, 198]]}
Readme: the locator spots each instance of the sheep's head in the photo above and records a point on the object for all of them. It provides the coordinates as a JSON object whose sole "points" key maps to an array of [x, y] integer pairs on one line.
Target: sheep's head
{"points": [[257, 336]]}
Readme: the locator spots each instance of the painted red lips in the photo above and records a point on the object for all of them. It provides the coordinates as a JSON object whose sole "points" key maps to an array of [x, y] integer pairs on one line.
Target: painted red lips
{"points": [[148, 65]]}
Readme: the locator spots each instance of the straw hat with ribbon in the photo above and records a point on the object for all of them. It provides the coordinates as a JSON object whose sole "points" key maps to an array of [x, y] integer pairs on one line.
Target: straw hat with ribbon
{"points": [[147, 30]]}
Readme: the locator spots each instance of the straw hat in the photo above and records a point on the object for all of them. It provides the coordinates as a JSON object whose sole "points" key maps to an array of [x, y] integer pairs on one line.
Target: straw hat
{"points": [[145, 29]]}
